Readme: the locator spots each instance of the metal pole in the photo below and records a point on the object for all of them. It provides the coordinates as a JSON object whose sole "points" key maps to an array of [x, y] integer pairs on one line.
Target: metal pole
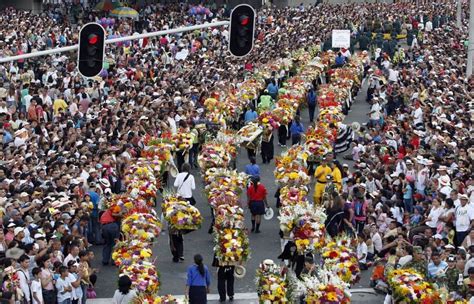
{"points": [[458, 13], [470, 46], [115, 40]]}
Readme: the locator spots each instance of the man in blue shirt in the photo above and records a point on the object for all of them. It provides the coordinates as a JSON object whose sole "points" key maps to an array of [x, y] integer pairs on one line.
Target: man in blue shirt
{"points": [[311, 99], [340, 60], [272, 89], [252, 169], [296, 130], [436, 268], [250, 115]]}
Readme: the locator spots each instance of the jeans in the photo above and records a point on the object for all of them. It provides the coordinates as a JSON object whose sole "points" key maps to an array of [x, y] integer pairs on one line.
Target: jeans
{"points": [[67, 301], [408, 204], [193, 155], [110, 232], [95, 236]]}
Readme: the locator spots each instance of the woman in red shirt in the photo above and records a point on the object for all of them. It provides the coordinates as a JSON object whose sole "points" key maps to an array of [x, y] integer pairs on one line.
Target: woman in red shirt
{"points": [[257, 200]]}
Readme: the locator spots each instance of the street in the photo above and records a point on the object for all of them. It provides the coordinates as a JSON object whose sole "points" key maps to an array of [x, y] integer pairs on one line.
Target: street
{"points": [[265, 245]]}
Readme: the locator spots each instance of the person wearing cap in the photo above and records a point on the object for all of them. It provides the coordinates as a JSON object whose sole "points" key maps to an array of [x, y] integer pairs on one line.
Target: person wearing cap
{"points": [[418, 262], [321, 173], [464, 215]]}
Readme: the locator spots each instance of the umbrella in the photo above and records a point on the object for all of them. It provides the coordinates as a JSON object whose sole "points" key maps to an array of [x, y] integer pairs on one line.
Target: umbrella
{"points": [[107, 5], [124, 12]]}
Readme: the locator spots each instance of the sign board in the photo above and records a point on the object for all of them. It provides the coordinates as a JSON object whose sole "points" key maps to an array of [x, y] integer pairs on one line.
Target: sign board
{"points": [[341, 38]]}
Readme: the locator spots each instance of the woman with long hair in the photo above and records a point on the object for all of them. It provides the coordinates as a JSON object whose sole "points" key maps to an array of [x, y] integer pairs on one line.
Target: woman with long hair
{"points": [[198, 281], [124, 294], [257, 200]]}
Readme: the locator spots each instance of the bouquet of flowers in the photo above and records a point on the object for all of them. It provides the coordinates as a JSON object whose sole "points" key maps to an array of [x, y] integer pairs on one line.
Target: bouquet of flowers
{"points": [[230, 140], [319, 141], [268, 121], [213, 155], [410, 287], [271, 284], [233, 179], [325, 289], [141, 226], [143, 275], [223, 196], [285, 114], [250, 135], [228, 216], [309, 229], [143, 189], [293, 195], [183, 140], [154, 299], [127, 253], [181, 214], [232, 246], [341, 260]]}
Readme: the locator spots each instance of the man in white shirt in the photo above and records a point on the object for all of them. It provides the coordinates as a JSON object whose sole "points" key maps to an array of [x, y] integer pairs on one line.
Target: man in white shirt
{"points": [[24, 276], [374, 113], [418, 116], [72, 256], [362, 252], [464, 215], [185, 184]]}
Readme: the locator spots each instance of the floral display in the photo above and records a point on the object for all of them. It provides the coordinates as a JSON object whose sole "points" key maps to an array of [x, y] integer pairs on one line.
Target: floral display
{"points": [[230, 140], [410, 287], [183, 140], [142, 226], [127, 253], [250, 135], [293, 195], [291, 171], [309, 229], [232, 246], [151, 299], [213, 155], [323, 289], [143, 275], [228, 216], [319, 141], [180, 213], [339, 258], [271, 284]]}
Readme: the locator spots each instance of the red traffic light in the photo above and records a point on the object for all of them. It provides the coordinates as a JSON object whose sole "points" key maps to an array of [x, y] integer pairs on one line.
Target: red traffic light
{"points": [[93, 39], [244, 20]]}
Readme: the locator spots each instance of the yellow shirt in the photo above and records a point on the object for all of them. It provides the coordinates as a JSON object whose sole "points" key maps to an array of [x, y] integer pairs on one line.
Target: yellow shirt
{"points": [[322, 172], [59, 104], [337, 176]]}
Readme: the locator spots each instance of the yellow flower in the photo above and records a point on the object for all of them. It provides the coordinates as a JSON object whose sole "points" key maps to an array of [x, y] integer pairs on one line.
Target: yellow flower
{"points": [[332, 296]]}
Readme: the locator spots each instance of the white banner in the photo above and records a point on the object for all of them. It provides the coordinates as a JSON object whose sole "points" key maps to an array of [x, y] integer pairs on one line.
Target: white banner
{"points": [[341, 38]]}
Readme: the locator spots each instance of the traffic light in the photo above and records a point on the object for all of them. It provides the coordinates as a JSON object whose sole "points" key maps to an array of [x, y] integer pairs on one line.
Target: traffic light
{"points": [[91, 49], [242, 28]]}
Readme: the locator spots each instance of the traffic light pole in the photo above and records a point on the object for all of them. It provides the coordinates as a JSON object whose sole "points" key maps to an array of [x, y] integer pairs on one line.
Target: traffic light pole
{"points": [[115, 40]]}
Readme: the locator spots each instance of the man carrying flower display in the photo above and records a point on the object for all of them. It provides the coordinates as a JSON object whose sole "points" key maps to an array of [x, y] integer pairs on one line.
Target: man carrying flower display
{"points": [[321, 173]]}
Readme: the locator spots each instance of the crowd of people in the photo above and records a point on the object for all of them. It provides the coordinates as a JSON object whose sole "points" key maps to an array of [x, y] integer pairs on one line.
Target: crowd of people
{"points": [[67, 140]]}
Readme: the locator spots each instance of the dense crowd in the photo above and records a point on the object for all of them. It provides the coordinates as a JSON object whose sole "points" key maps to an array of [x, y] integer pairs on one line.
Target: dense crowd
{"points": [[67, 141]]}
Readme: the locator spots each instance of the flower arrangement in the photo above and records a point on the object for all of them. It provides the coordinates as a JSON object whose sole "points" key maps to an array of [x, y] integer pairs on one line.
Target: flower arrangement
{"points": [[250, 135], [223, 196], [325, 289], [216, 177], [183, 139], [228, 216], [153, 299], [410, 287], [319, 141], [142, 226], [230, 140], [341, 260], [127, 253], [232, 246], [291, 169], [271, 284], [180, 213], [293, 195], [268, 121], [143, 275], [309, 229], [213, 155]]}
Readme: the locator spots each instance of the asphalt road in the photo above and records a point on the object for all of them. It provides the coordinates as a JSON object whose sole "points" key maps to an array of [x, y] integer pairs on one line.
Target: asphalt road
{"points": [[265, 245]]}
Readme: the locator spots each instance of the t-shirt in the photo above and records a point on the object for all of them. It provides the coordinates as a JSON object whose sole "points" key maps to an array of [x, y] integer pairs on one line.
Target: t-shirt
{"points": [[376, 111], [464, 216], [361, 251], [185, 187], [36, 288], [61, 284]]}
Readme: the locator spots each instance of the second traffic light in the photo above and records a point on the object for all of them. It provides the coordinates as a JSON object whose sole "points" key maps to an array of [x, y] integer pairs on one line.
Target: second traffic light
{"points": [[91, 49], [242, 29]]}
